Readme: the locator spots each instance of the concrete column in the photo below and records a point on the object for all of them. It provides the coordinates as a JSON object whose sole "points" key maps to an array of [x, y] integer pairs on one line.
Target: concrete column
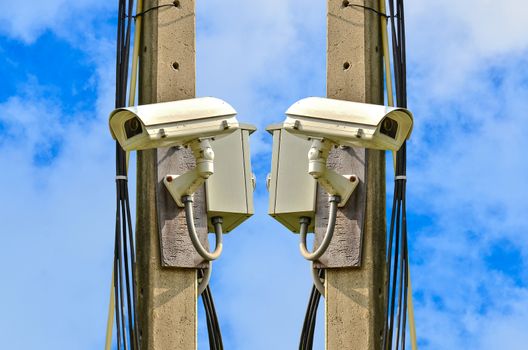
{"points": [[167, 307], [354, 296]]}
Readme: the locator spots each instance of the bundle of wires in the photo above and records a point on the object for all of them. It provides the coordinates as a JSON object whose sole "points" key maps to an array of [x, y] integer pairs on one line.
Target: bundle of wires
{"points": [[124, 279], [124, 252], [213, 327], [397, 283], [307, 334]]}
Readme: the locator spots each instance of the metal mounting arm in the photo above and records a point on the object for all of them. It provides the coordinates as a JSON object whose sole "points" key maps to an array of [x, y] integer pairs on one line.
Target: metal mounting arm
{"points": [[187, 183], [335, 184]]}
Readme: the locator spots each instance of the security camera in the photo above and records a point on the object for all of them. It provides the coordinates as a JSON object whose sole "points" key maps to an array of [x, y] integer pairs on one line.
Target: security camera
{"points": [[349, 123], [193, 123], [174, 123], [328, 123]]}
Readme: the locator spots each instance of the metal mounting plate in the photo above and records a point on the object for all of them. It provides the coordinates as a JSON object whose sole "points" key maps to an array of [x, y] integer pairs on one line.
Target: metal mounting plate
{"points": [[345, 248], [176, 248]]}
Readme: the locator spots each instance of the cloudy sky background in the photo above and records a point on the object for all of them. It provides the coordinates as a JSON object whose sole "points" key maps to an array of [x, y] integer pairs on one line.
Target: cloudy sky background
{"points": [[468, 85]]}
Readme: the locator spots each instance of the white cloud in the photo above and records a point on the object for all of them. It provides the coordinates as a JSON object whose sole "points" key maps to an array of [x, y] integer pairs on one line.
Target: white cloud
{"points": [[452, 41], [27, 20], [468, 141], [467, 84], [57, 219], [56, 234]]}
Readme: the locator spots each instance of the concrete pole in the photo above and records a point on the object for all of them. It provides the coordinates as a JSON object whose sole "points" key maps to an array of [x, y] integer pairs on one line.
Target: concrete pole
{"points": [[167, 307], [354, 296]]}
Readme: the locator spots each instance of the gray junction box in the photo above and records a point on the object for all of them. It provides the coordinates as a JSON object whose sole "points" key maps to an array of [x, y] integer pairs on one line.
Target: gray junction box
{"points": [[229, 191], [292, 191]]}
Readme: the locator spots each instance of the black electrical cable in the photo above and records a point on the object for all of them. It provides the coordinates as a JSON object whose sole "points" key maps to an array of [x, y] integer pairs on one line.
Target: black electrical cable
{"points": [[397, 249], [307, 318], [128, 271], [311, 329], [219, 340], [209, 322], [116, 296], [121, 284], [216, 326], [124, 252], [303, 344], [313, 319], [213, 326], [308, 330], [175, 3], [379, 13], [133, 260]]}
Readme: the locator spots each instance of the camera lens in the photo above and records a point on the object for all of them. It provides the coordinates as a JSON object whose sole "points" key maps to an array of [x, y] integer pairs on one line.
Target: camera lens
{"points": [[133, 127], [389, 127]]}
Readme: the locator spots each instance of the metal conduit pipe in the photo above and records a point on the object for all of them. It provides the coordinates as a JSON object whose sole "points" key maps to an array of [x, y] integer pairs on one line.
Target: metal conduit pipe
{"points": [[217, 223], [305, 222], [319, 285], [205, 278]]}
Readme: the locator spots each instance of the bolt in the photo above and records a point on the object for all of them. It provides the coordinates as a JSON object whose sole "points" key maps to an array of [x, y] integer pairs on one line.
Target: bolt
{"points": [[297, 125]]}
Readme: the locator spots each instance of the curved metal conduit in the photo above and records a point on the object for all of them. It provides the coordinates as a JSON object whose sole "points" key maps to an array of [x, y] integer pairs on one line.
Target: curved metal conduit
{"points": [[217, 223], [313, 256], [318, 283], [204, 282], [305, 222], [204, 275]]}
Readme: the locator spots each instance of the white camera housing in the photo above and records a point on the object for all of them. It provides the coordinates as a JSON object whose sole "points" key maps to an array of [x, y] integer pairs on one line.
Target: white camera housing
{"points": [[329, 122], [174, 123], [195, 122], [349, 123]]}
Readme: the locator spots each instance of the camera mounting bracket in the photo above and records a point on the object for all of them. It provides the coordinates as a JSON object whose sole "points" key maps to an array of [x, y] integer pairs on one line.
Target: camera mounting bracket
{"points": [[187, 183], [330, 180]]}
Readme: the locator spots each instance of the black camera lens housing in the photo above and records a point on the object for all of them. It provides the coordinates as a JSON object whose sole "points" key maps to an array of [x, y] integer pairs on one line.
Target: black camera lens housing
{"points": [[133, 127], [389, 127]]}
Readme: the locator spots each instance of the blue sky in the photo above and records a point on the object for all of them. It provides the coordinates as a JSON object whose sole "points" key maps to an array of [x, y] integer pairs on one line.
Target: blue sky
{"points": [[468, 86]]}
